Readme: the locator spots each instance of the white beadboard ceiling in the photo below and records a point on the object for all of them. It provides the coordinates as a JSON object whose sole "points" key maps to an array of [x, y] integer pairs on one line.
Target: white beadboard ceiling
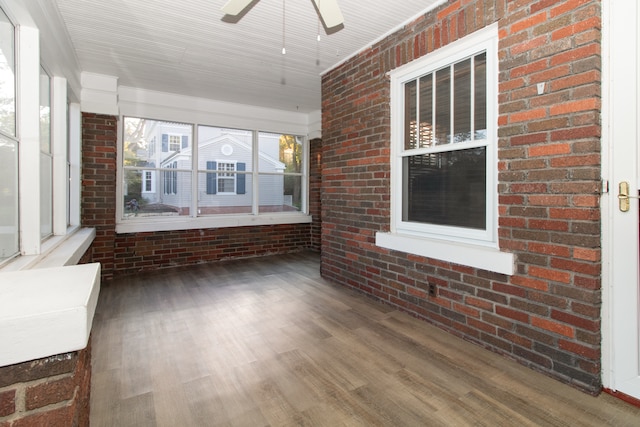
{"points": [[187, 47]]}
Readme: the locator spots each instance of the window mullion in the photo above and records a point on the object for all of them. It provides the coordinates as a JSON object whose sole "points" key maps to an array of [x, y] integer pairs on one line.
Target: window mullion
{"points": [[452, 105], [59, 149], [75, 158], [255, 176], [472, 100], [433, 108], [194, 171], [418, 118]]}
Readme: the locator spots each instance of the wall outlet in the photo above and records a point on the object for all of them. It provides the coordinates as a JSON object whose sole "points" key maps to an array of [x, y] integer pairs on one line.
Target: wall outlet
{"points": [[433, 291]]}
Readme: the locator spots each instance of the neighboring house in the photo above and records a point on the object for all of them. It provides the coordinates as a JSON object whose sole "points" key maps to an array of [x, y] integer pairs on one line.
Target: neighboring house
{"points": [[227, 153]]}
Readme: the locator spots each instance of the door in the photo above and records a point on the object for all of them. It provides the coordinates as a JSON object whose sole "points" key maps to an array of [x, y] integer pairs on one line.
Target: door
{"points": [[620, 232]]}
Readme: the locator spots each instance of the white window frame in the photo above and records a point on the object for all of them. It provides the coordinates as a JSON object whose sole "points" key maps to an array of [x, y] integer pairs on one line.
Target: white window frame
{"points": [[68, 242], [194, 221], [225, 173], [476, 248], [48, 216]]}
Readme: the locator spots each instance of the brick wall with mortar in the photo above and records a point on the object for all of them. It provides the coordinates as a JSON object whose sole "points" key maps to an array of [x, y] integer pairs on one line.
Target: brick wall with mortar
{"points": [[134, 252], [547, 315], [53, 391], [315, 185]]}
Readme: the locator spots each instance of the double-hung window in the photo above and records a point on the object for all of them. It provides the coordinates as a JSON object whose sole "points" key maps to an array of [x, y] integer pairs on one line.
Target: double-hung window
{"points": [[148, 182], [226, 181], [443, 155]]}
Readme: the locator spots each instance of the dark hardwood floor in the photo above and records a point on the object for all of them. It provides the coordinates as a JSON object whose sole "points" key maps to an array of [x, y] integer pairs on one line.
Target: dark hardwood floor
{"points": [[267, 342]]}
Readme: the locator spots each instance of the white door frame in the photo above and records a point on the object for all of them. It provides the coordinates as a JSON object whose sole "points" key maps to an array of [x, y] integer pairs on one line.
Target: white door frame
{"points": [[620, 299]]}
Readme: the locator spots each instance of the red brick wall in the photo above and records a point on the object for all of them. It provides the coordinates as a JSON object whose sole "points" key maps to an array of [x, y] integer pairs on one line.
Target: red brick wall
{"points": [[134, 252], [315, 185], [547, 315], [98, 201], [54, 391]]}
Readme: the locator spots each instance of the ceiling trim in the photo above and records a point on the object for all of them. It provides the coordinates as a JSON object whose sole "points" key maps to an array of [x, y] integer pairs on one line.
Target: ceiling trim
{"points": [[383, 36]]}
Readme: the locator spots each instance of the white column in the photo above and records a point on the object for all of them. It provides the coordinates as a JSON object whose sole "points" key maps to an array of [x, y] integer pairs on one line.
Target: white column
{"points": [[75, 159], [59, 151]]}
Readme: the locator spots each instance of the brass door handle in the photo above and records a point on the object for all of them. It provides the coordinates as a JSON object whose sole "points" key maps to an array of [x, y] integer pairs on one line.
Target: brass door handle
{"points": [[623, 196]]}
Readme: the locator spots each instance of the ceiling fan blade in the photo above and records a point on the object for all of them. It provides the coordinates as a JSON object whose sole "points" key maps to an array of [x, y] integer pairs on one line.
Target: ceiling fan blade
{"points": [[234, 7], [329, 12]]}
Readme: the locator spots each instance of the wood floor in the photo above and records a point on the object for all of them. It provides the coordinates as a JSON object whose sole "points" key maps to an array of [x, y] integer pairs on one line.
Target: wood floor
{"points": [[267, 342]]}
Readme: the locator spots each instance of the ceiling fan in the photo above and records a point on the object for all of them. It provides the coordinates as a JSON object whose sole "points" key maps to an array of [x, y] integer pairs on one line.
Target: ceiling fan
{"points": [[328, 10]]}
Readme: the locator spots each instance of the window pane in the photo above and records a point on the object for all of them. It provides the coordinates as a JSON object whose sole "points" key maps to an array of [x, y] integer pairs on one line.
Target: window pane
{"points": [[68, 163], [480, 107], [224, 152], [8, 198], [158, 203], [280, 193], [462, 101], [147, 142], [443, 106], [45, 112], [222, 145], [446, 188], [154, 152], [280, 153], [426, 111], [281, 157], [46, 160], [7, 77], [46, 195], [237, 197], [410, 115]]}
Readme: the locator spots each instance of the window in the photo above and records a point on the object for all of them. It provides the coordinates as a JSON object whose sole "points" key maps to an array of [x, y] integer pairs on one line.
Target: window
{"points": [[8, 143], [174, 142], [443, 154], [40, 182], [225, 181], [170, 179], [148, 184], [444, 158], [46, 157], [225, 177]]}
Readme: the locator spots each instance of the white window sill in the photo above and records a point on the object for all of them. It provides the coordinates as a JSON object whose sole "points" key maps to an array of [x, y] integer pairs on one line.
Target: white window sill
{"points": [[148, 224], [481, 257], [48, 302], [48, 311], [57, 251]]}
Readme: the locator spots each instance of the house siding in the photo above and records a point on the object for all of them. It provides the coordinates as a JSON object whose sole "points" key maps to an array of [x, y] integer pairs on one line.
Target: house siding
{"points": [[121, 254], [547, 314]]}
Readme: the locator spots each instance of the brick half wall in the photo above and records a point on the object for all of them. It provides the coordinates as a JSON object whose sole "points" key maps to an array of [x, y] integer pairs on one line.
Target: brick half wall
{"points": [[135, 252], [53, 391]]}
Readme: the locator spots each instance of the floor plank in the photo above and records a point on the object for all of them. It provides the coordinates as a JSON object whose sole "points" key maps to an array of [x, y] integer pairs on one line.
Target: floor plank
{"points": [[268, 342]]}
